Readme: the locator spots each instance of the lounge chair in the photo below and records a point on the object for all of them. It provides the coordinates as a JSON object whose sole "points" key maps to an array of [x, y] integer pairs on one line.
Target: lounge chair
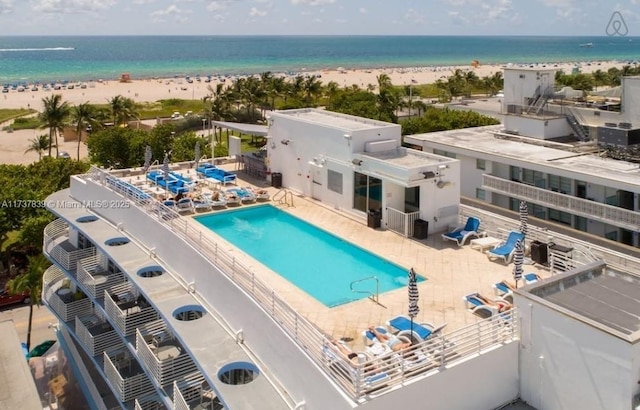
{"points": [[184, 205], [170, 203], [209, 171], [259, 193], [368, 338], [530, 278], [216, 199], [476, 305], [506, 249], [244, 195], [421, 331], [373, 378], [461, 234], [200, 203]]}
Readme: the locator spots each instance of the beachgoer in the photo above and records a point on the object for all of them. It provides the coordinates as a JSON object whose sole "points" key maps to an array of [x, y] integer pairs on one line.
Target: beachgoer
{"points": [[500, 304], [342, 349], [390, 340]]}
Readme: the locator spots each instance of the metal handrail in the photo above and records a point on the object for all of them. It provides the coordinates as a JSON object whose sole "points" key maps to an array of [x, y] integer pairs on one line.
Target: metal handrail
{"points": [[372, 296]]}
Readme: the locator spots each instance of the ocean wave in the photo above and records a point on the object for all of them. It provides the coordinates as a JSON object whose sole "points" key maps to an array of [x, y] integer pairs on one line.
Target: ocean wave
{"points": [[39, 49]]}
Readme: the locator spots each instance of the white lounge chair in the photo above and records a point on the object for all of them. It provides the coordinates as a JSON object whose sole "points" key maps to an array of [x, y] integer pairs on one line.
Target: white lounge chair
{"points": [[462, 233], [184, 205]]}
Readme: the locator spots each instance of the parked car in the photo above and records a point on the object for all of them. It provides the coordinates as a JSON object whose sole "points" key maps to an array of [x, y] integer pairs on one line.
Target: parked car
{"points": [[63, 154], [7, 299]]}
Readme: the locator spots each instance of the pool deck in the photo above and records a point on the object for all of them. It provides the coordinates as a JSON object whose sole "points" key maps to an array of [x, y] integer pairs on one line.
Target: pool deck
{"points": [[450, 272]]}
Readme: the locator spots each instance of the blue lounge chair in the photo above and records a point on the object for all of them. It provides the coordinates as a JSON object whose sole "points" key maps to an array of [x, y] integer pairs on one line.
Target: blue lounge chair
{"points": [[422, 330], [477, 305], [530, 278], [369, 338], [461, 234], [220, 175], [506, 249], [244, 195]]}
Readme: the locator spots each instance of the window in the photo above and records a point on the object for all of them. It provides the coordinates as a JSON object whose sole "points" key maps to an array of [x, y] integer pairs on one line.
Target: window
{"points": [[334, 181], [481, 164], [560, 184], [444, 153], [514, 172], [527, 176], [581, 223], [559, 216], [481, 194]]}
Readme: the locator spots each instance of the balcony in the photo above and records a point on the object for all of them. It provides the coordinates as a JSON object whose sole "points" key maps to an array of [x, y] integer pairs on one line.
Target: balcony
{"points": [[126, 376], [608, 214], [95, 277], [65, 301], [127, 309], [151, 402], [194, 393], [97, 336], [58, 247], [162, 354]]}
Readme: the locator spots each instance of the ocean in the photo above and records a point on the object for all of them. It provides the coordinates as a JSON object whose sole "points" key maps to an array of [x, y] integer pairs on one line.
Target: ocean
{"points": [[49, 59]]}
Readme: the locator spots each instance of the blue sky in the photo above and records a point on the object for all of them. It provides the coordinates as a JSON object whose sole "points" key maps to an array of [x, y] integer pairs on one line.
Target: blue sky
{"points": [[318, 17]]}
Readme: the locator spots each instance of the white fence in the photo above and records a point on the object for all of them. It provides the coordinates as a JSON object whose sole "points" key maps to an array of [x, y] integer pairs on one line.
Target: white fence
{"points": [[400, 222]]}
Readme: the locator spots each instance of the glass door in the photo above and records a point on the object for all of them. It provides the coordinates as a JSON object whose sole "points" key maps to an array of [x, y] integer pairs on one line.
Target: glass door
{"points": [[367, 192]]}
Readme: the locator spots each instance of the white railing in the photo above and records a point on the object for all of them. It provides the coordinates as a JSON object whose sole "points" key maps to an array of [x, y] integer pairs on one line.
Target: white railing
{"points": [[128, 387], [609, 214], [152, 402], [306, 334], [131, 317], [94, 279], [492, 223], [106, 339], [69, 310], [188, 391], [400, 222], [55, 238], [164, 369], [50, 280]]}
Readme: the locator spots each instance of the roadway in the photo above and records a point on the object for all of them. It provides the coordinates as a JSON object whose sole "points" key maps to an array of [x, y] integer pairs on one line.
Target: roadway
{"points": [[40, 331]]}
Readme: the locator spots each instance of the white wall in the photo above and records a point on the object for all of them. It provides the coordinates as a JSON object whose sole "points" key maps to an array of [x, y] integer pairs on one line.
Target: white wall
{"points": [[631, 99], [537, 127], [522, 83], [566, 364]]}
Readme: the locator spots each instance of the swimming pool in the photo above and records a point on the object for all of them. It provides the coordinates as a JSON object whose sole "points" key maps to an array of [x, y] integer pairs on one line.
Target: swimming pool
{"points": [[319, 263]]}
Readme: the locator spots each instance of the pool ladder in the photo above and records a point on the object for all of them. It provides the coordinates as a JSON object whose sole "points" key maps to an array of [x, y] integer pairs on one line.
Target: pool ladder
{"points": [[284, 197], [373, 296]]}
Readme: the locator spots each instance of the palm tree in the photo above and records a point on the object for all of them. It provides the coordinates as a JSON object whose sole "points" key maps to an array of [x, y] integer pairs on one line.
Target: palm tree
{"points": [[312, 88], [599, 78], [38, 144], [122, 110], [54, 117], [31, 282], [83, 115]]}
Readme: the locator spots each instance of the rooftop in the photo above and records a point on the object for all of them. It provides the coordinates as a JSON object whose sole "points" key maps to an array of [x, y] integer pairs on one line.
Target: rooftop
{"points": [[483, 140], [598, 295], [17, 388], [334, 120], [404, 158]]}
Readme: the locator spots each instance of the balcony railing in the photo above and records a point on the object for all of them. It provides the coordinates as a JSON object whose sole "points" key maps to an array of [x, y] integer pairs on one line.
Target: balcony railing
{"points": [[50, 280], [401, 222], [193, 392], [94, 278], [58, 247], [127, 309], [68, 304], [97, 336], [609, 214], [306, 334], [151, 402], [126, 376], [162, 355]]}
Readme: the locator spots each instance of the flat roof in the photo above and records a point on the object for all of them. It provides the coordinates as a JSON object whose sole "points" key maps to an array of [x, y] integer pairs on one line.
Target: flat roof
{"points": [[407, 158], [250, 129], [608, 298], [17, 387], [483, 140], [335, 120]]}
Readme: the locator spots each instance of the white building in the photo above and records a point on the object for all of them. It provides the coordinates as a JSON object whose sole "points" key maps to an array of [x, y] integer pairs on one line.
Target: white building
{"points": [[579, 340], [358, 165]]}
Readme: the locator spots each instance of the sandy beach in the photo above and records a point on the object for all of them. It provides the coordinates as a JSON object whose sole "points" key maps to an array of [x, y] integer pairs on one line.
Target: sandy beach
{"points": [[13, 145]]}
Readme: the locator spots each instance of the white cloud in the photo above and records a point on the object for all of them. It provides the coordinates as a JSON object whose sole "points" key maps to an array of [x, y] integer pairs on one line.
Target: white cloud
{"points": [[413, 16], [218, 5], [6, 6], [362, 10], [312, 2], [254, 12], [171, 12], [71, 6], [143, 1]]}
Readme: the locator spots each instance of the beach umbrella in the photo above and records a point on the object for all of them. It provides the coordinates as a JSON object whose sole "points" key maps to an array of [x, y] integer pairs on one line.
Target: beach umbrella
{"points": [[518, 261], [147, 158], [165, 170], [414, 309], [197, 153], [524, 216]]}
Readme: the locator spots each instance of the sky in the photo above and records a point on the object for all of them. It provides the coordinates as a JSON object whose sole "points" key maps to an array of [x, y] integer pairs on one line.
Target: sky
{"points": [[314, 17]]}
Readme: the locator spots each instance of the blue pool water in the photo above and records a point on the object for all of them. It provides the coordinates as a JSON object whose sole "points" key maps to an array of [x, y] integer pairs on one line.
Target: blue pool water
{"points": [[319, 263]]}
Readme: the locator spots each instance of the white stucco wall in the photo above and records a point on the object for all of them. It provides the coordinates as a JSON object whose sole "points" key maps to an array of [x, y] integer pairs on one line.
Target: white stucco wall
{"points": [[522, 83], [538, 127], [566, 364], [631, 99]]}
